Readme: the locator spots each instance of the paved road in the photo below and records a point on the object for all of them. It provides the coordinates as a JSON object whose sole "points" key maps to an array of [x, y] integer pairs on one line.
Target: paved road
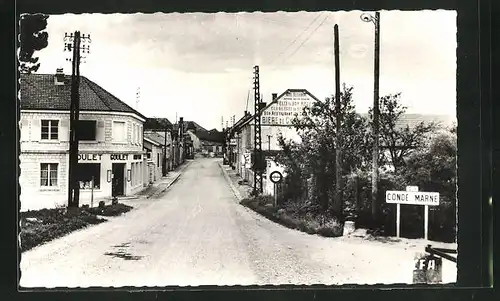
{"points": [[197, 234]]}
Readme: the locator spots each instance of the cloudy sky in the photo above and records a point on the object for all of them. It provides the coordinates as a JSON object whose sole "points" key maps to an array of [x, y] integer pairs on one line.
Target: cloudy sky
{"points": [[200, 65]]}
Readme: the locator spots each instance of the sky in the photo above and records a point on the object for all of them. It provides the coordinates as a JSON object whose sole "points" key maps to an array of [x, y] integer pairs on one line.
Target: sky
{"points": [[200, 66]]}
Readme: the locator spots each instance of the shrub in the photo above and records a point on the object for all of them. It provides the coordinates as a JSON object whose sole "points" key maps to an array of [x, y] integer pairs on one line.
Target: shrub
{"points": [[53, 223], [111, 210], [296, 215]]}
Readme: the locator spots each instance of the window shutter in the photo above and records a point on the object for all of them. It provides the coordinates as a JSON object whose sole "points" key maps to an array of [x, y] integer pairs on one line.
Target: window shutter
{"points": [[64, 130], [24, 126], [128, 131], [35, 130], [100, 132]]}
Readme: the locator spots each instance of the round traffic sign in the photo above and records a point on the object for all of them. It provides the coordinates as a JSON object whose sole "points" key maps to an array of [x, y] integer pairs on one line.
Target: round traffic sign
{"points": [[276, 176]]}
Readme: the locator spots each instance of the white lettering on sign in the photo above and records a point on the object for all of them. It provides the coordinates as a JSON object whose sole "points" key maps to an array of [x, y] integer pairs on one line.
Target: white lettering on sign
{"points": [[412, 198], [89, 157]]}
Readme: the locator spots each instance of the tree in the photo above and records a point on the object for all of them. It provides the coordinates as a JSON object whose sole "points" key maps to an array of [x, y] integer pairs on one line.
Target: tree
{"points": [[434, 169], [399, 141], [316, 127], [32, 37]]}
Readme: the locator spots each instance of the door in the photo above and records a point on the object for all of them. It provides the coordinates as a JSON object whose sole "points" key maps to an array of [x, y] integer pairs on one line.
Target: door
{"points": [[118, 182]]}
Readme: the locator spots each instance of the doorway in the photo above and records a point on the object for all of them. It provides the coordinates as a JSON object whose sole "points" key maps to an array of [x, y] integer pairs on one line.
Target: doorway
{"points": [[118, 183]]}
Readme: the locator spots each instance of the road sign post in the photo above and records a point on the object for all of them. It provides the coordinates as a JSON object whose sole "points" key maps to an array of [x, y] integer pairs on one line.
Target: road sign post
{"points": [[412, 197], [276, 177]]}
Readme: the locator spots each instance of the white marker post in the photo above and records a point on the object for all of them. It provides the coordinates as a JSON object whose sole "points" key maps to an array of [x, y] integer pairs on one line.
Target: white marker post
{"points": [[412, 197]]}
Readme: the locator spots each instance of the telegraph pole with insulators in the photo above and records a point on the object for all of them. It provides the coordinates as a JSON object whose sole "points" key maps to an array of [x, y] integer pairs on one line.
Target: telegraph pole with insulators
{"points": [[77, 45]]}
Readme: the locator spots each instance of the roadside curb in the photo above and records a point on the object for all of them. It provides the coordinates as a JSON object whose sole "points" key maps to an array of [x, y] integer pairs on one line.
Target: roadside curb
{"points": [[233, 188]]}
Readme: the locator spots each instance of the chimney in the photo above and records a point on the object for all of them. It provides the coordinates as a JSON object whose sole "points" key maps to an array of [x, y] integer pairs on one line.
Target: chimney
{"points": [[275, 95], [59, 77]]}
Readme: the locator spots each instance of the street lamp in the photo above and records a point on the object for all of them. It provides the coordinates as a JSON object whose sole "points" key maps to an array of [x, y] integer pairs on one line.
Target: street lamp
{"points": [[376, 21]]}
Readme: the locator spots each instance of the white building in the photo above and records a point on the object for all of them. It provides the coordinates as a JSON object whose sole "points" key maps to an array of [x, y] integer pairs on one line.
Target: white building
{"points": [[154, 144], [110, 149], [275, 121]]}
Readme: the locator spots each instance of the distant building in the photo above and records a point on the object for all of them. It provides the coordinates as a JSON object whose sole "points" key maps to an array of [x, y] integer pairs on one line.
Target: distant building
{"points": [[275, 121], [110, 149], [157, 128], [154, 145]]}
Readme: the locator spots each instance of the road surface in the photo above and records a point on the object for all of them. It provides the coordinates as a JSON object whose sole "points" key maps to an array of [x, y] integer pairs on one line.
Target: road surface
{"points": [[197, 234]]}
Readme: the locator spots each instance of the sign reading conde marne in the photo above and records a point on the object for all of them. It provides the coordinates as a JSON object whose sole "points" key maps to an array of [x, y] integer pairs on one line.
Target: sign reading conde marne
{"points": [[412, 198]]}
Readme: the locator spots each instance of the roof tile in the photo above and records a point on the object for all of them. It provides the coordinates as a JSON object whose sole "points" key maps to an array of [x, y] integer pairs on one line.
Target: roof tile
{"points": [[39, 92]]}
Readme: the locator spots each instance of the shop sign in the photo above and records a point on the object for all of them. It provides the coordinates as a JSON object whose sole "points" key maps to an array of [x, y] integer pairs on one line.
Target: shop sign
{"points": [[89, 157], [118, 157]]}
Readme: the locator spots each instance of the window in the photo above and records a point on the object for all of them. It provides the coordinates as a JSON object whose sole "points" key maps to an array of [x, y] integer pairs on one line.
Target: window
{"points": [[133, 134], [119, 134], [48, 174], [158, 159], [87, 130], [50, 129], [140, 135], [86, 172]]}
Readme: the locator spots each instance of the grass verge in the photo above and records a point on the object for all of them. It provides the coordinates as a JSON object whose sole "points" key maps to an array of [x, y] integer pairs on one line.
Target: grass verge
{"points": [[41, 226], [290, 216]]}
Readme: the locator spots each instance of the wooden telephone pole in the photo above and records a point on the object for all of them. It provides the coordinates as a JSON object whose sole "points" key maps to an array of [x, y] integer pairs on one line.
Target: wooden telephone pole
{"points": [[73, 44], [338, 119]]}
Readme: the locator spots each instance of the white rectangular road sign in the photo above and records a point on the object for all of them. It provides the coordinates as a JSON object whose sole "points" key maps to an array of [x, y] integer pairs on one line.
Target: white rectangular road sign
{"points": [[412, 198]]}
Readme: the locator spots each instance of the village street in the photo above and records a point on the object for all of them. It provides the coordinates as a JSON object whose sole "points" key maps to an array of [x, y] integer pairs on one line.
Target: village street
{"points": [[197, 234]]}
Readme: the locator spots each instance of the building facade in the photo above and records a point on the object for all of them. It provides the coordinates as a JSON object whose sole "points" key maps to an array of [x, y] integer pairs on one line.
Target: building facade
{"points": [[111, 159], [154, 147], [275, 121]]}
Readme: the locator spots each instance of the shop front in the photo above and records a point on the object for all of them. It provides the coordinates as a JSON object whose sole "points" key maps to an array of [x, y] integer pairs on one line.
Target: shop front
{"points": [[105, 175]]}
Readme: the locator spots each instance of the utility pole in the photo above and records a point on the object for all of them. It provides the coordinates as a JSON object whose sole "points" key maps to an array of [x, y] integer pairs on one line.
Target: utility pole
{"points": [[181, 139], [338, 119], [257, 183], [72, 43], [164, 161], [375, 173], [137, 98]]}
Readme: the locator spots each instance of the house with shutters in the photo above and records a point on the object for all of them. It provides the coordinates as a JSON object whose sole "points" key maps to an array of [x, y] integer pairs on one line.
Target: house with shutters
{"points": [[111, 159]]}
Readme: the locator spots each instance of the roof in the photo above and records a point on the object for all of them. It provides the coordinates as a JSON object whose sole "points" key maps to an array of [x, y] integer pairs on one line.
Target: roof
{"points": [[239, 123], [155, 137], [156, 123], [277, 99], [210, 136], [38, 92], [413, 120], [190, 125]]}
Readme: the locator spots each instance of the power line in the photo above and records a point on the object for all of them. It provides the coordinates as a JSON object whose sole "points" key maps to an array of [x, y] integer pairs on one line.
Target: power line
{"points": [[307, 39], [296, 38]]}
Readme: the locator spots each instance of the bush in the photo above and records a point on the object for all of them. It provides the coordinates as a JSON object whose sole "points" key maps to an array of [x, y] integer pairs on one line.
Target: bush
{"points": [[111, 210], [302, 217], [52, 223], [421, 170]]}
